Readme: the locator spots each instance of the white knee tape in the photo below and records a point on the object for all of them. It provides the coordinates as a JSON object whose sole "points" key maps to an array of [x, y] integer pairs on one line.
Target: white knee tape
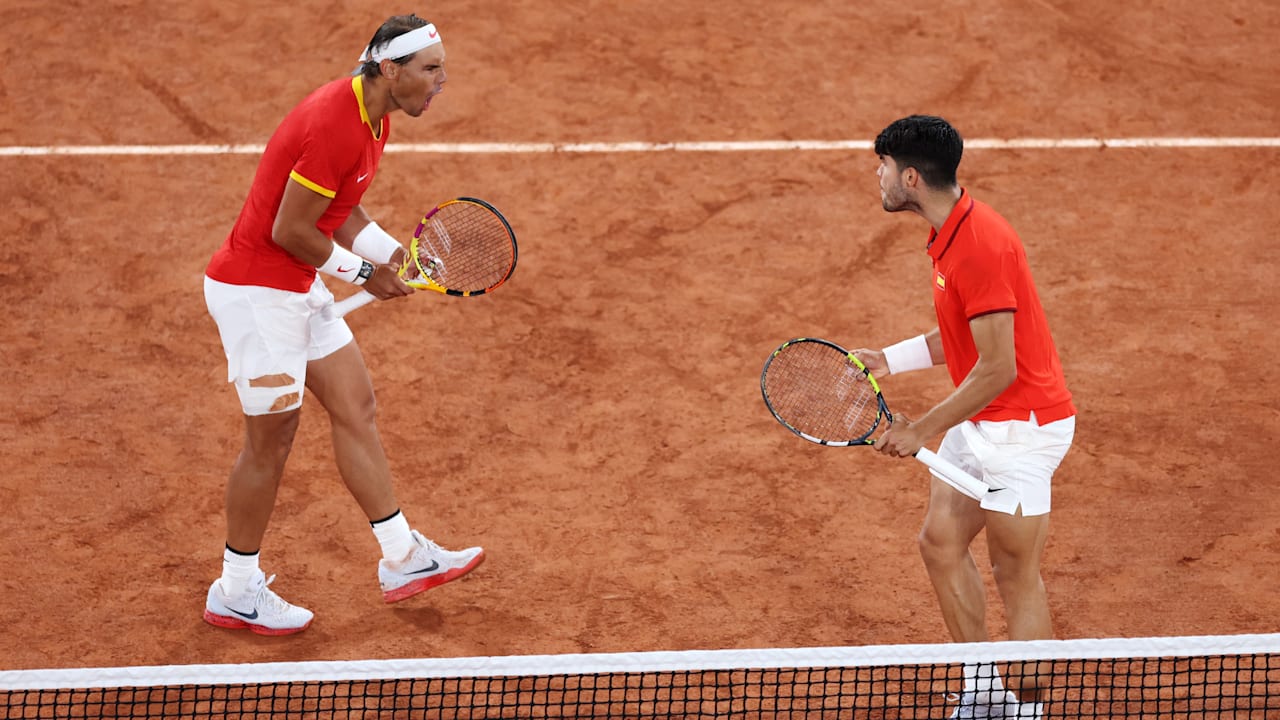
{"points": [[267, 400]]}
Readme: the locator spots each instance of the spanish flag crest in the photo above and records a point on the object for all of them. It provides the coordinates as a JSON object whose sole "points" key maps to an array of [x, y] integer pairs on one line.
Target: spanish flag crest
{"points": [[940, 280]]}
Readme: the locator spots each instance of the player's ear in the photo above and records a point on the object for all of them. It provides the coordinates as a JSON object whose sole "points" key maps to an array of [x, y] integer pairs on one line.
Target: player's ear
{"points": [[910, 176], [389, 69]]}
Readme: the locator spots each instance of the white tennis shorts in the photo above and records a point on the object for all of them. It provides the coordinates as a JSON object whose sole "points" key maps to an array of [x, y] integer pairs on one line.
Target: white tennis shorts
{"points": [[1017, 458], [270, 333]]}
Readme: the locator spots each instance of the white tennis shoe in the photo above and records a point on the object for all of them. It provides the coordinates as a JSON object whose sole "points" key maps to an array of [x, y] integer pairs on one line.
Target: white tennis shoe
{"points": [[258, 608], [427, 566]]}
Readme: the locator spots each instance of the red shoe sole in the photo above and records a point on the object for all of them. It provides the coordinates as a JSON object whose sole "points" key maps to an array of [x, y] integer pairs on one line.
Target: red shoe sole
{"points": [[232, 623], [407, 591]]}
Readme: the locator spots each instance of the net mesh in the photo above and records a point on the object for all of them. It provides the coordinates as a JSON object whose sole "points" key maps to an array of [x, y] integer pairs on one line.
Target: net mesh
{"points": [[464, 246], [1223, 677], [814, 388]]}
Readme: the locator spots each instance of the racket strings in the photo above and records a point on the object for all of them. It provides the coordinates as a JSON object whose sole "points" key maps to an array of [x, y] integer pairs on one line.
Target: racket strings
{"points": [[815, 389], [465, 247]]}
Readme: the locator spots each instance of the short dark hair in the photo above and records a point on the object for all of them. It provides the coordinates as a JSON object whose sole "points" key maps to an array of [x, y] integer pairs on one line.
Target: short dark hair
{"points": [[393, 28], [925, 142]]}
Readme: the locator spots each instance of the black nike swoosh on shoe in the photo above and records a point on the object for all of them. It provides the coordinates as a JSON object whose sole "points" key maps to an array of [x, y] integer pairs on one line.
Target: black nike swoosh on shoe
{"points": [[434, 566], [247, 616]]}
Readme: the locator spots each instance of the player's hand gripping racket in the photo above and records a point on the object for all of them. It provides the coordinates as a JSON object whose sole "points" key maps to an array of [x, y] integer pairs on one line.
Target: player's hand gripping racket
{"points": [[823, 393], [462, 247]]}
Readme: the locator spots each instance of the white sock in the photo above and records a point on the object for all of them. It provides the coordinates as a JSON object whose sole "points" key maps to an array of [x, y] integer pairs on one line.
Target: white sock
{"points": [[237, 571], [394, 536]]}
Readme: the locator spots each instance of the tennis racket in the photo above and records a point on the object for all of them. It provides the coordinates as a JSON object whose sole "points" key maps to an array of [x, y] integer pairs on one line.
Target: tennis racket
{"points": [[823, 393], [462, 247]]}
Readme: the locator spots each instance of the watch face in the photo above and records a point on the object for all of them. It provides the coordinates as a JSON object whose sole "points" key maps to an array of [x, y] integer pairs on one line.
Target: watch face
{"points": [[366, 270]]}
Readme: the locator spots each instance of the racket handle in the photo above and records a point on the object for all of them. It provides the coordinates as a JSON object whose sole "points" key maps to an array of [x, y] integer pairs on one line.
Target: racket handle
{"points": [[346, 305], [954, 476]]}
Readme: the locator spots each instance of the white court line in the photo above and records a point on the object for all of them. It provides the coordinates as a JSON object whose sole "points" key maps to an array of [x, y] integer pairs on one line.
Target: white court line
{"points": [[640, 147]]}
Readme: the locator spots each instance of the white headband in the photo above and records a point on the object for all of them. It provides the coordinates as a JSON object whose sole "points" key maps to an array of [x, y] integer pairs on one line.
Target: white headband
{"points": [[402, 45]]}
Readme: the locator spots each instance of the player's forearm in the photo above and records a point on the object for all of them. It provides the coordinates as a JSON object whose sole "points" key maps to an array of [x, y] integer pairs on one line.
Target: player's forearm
{"points": [[934, 339], [356, 222], [303, 241], [984, 384]]}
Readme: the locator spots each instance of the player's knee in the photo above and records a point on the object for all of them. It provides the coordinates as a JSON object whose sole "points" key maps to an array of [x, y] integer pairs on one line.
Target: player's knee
{"points": [[939, 549], [1015, 572], [929, 548], [352, 410], [365, 408], [269, 394]]}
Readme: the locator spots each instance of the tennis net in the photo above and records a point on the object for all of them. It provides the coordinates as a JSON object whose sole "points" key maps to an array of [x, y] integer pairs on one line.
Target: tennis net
{"points": [[1234, 676]]}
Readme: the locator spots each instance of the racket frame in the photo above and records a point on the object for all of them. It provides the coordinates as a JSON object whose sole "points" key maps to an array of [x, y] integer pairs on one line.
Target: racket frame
{"points": [[882, 410], [424, 281], [945, 470]]}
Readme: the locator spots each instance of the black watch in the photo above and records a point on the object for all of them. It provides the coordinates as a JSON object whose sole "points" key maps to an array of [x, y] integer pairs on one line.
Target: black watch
{"points": [[366, 272]]}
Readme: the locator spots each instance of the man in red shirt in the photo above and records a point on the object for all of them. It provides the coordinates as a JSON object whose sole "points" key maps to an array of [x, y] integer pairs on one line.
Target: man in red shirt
{"points": [[303, 217], [1009, 422]]}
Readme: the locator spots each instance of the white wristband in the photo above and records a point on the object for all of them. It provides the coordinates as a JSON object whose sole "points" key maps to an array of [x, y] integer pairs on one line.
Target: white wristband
{"points": [[910, 354], [375, 243], [346, 265]]}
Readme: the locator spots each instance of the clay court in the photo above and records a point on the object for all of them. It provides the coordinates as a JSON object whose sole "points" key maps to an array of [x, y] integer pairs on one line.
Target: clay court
{"points": [[597, 424]]}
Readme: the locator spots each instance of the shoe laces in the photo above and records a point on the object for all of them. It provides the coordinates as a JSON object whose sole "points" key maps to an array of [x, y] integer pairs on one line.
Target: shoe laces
{"points": [[428, 543], [265, 596]]}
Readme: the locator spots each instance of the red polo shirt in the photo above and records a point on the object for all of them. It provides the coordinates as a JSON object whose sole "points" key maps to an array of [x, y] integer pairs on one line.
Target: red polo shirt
{"points": [[326, 143], [980, 267]]}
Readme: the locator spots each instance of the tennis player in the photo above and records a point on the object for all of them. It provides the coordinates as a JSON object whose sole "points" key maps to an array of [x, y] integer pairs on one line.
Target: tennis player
{"points": [[1009, 421], [263, 287]]}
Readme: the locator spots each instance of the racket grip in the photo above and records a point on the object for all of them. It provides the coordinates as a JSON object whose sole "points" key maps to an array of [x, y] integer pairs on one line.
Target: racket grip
{"points": [[346, 305], [954, 476]]}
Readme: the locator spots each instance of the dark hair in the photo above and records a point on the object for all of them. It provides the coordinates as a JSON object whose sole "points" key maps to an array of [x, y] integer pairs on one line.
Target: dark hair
{"points": [[925, 142], [393, 28]]}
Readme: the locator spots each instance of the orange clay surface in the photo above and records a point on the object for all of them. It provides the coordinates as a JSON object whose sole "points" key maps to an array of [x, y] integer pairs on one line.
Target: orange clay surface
{"points": [[596, 424]]}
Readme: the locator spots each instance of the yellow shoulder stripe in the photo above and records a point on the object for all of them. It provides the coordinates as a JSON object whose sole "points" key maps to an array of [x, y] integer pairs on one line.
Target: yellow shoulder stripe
{"points": [[314, 187]]}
